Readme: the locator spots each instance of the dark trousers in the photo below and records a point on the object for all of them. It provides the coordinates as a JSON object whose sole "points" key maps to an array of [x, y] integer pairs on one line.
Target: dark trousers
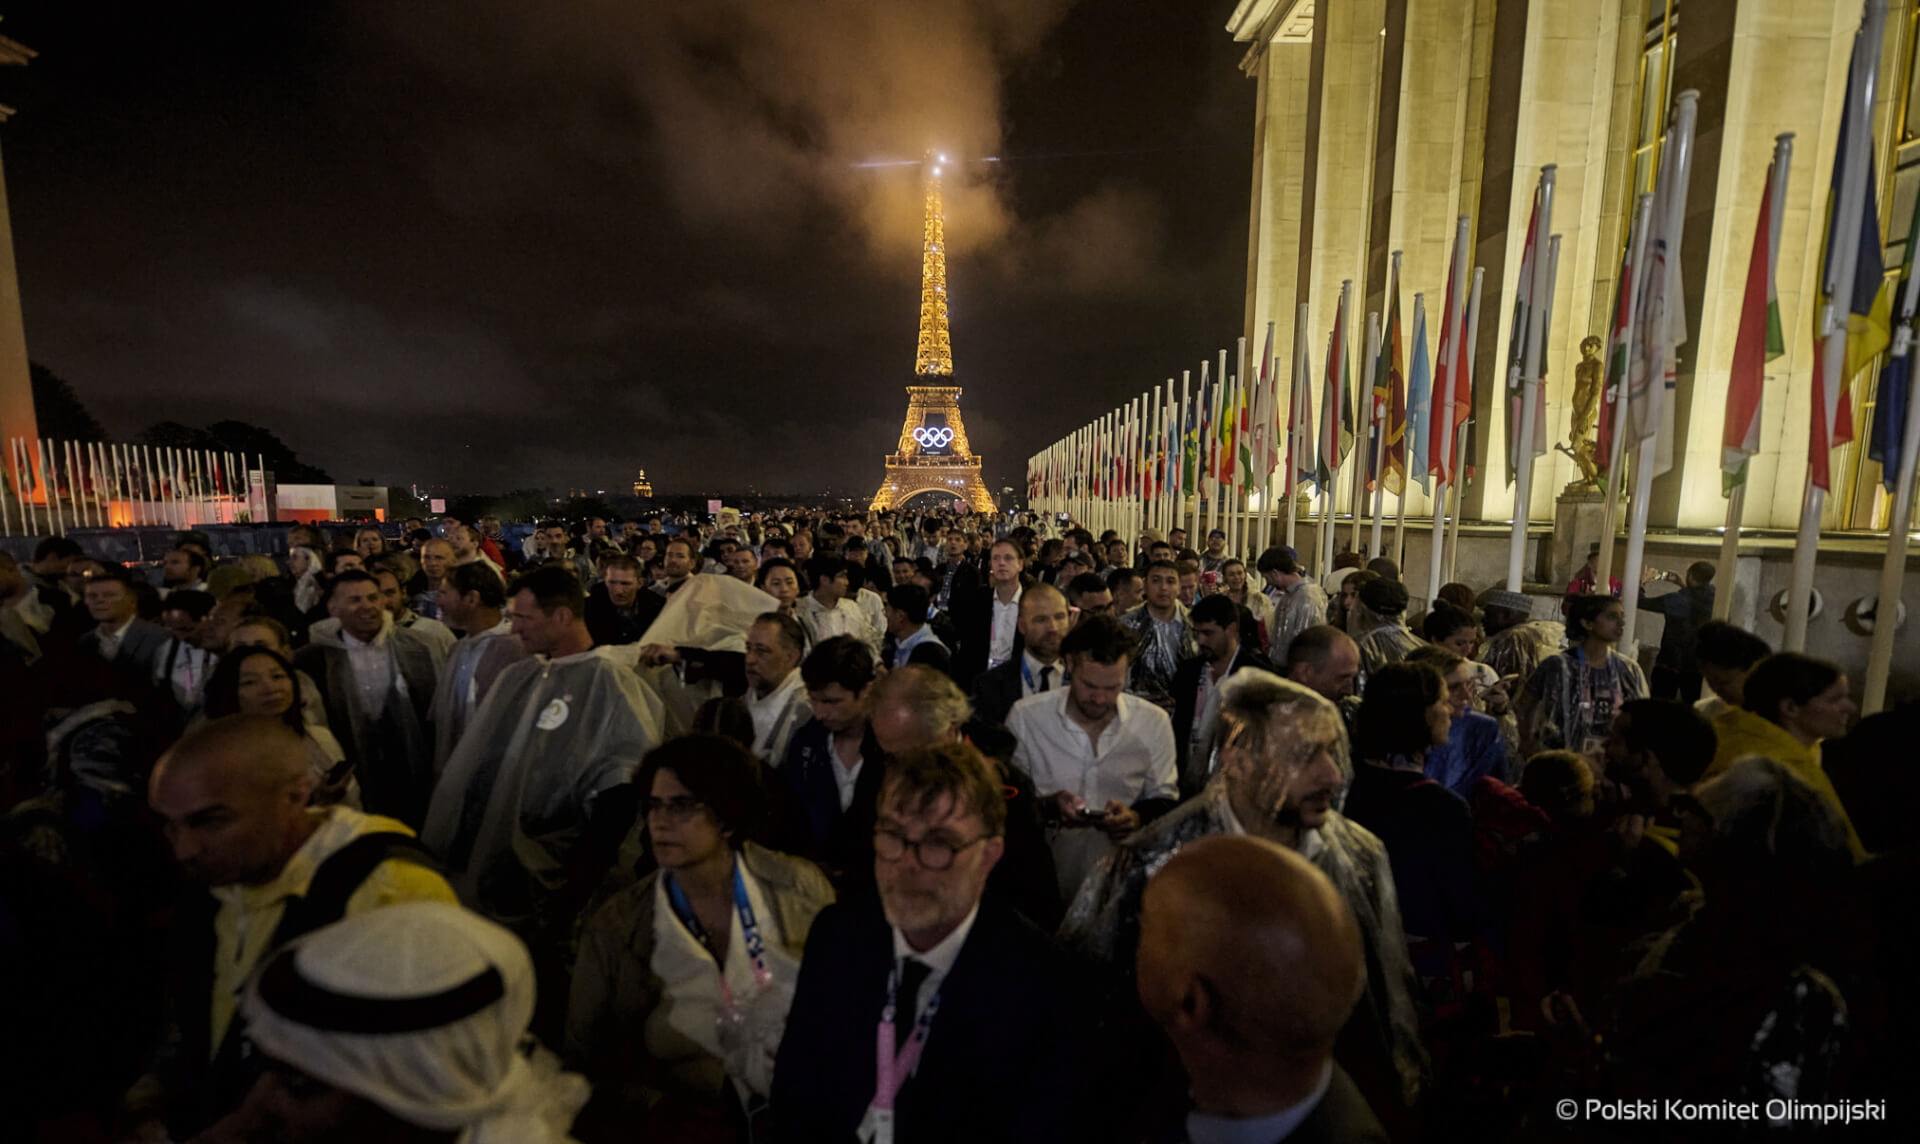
{"points": [[1668, 683]]}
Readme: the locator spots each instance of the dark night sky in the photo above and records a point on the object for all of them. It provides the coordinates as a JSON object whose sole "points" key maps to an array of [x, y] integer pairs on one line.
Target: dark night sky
{"points": [[493, 244]]}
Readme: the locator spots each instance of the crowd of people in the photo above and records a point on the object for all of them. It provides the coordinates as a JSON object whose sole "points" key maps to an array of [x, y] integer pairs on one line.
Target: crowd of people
{"points": [[818, 826]]}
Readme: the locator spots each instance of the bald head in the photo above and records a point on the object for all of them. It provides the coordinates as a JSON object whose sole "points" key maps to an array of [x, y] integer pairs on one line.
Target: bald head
{"points": [[1247, 950], [233, 794]]}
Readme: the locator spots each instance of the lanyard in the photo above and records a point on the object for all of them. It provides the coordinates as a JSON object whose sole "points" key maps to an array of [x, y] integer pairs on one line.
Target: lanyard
{"points": [[892, 1069], [1026, 675], [749, 932]]}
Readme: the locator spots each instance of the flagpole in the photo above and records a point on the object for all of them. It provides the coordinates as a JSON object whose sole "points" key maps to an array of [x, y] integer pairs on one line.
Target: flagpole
{"points": [[1328, 443], [1530, 397], [1290, 477], [1450, 359], [1737, 500], [1893, 567], [1616, 442], [1844, 243], [1199, 452]]}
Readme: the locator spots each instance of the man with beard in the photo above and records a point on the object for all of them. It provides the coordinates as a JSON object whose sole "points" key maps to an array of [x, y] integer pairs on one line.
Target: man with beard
{"points": [[184, 569], [677, 562], [1102, 761], [933, 967], [743, 565], [471, 598], [1196, 686], [393, 597], [618, 612], [1283, 769], [1043, 624]]}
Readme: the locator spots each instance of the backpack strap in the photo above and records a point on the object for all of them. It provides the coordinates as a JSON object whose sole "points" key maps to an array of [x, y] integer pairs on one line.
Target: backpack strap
{"points": [[339, 876]]}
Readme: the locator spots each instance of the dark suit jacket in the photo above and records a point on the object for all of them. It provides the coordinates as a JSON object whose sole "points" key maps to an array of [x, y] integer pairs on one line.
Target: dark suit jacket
{"points": [[1006, 1058], [1186, 693], [973, 619], [139, 647], [839, 841], [996, 690]]}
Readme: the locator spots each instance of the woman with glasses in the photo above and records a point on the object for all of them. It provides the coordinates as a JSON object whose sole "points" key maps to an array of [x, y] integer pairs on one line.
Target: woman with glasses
{"points": [[681, 990]]}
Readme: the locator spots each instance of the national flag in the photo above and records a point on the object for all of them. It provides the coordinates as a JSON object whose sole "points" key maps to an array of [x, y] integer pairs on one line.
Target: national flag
{"points": [[1190, 452], [1300, 463], [1517, 351], [1450, 376], [1869, 321], [1760, 340], [1419, 395], [1327, 453], [1887, 436], [1348, 433], [1261, 436], [1660, 318], [1390, 401]]}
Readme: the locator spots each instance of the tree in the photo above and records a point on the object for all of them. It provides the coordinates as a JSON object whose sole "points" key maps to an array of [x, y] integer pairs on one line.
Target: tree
{"points": [[243, 439], [60, 413]]}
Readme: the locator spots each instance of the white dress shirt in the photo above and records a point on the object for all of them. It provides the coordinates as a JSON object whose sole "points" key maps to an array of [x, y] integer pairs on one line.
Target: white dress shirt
{"points": [[185, 668], [1006, 624], [1135, 760], [775, 717], [844, 776], [372, 663]]}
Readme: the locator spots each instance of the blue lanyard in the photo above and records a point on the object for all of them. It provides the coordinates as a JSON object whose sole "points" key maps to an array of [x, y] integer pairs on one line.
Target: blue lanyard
{"points": [[749, 927]]}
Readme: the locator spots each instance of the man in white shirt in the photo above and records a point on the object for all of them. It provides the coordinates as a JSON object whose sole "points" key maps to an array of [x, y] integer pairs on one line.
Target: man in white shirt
{"points": [[826, 612], [377, 682], [1251, 962], [776, 696], [1103, 761], [990, 618], [119, 635], [184, 569]]}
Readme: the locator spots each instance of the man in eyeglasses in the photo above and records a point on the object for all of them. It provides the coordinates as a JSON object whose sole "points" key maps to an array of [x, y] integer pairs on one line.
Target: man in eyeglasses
{"points": [[933, 1013]]}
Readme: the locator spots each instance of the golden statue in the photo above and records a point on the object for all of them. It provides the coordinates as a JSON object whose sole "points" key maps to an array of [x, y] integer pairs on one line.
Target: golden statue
{"points": [[1589, 378]]}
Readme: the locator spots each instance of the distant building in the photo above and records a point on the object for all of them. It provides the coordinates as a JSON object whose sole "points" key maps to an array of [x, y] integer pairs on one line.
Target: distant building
{"points": [[642, 487]]}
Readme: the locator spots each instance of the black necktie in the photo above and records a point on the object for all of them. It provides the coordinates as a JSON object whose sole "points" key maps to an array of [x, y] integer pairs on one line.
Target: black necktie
{"points": [[906, 999], [1046, 677]]}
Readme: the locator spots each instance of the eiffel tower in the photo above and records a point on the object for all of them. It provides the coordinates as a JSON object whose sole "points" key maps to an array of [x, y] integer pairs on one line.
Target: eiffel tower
{"points": [[933, 464]]}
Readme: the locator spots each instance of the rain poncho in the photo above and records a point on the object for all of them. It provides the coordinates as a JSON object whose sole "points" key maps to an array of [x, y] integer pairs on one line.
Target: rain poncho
{"points": [[1104, 920], [711, 614], [466, 678], [517, 792]]}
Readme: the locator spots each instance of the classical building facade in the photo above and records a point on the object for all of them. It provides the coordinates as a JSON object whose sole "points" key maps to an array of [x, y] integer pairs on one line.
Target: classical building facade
{"points": [[1382, 121]]}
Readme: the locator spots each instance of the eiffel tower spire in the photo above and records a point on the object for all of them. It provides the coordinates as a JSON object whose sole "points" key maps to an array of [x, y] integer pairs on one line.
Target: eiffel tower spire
{"points": [[935, 357]]}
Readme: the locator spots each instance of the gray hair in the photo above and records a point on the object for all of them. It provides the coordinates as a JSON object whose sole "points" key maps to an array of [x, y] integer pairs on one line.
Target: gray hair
{"points": [[928, 693], [1767, 817]]}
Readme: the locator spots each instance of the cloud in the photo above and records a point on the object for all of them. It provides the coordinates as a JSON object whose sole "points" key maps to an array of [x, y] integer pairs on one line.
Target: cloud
{"points": [[753, 115], [1109, 243]]}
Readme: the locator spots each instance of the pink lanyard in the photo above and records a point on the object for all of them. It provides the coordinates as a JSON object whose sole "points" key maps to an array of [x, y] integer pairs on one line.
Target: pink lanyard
{"points": [[892, 1069]]}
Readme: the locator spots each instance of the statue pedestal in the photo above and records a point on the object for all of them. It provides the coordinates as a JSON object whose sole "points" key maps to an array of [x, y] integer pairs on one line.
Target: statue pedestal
{"points": [[1578, 515]]}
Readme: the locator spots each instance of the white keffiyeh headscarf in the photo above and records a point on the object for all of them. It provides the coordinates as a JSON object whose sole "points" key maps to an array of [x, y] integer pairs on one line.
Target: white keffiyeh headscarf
{"points": [[421, 1009]]}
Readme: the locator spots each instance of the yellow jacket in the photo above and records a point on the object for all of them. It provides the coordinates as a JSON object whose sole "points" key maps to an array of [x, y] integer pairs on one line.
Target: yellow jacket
{"points": [[1742, 733], [249, 914]]}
